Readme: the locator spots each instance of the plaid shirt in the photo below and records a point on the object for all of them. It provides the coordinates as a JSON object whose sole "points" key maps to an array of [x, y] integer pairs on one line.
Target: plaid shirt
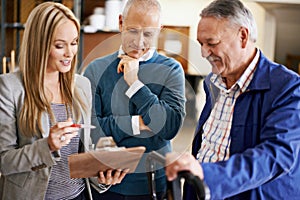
{"points": [[216, 130]]}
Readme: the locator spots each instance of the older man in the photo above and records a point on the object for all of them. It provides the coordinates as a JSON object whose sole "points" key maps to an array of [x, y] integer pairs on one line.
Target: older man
{"points": [[138, 95], [248, 136]]}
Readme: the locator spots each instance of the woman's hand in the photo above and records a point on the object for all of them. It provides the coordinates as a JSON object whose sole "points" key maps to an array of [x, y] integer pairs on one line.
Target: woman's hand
{"points": [[61, 134], [112, 177]]}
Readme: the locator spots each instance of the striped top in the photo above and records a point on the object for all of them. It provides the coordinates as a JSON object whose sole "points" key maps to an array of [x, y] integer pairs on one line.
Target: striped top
{"points": [[60, 185], [216, 130]]}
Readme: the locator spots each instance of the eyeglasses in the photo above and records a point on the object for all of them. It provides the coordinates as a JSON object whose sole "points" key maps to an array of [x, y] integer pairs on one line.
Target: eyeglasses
{"points": [[148, 33]]}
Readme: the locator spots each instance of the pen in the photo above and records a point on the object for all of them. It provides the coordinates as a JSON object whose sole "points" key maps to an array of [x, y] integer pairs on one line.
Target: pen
{"points": [[83, 126]]}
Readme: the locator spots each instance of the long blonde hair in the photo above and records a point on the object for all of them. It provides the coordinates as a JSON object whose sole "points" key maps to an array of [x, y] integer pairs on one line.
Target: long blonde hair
{"points": [[37, 39]]}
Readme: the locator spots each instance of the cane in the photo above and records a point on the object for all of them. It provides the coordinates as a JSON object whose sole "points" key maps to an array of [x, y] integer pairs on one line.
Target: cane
{"points": [[174, 187]]}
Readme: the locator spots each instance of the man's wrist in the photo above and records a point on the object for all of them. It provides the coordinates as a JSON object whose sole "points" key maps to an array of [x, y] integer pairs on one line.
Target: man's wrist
{"points": [[134, 88]]}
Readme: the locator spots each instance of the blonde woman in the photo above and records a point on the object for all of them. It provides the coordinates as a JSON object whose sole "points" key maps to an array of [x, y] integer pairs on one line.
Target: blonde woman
{"points": [[38, 105]]}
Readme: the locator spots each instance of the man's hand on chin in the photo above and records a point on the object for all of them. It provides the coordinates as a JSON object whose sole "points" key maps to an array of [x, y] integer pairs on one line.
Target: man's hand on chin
{"points": [[130, 67]]}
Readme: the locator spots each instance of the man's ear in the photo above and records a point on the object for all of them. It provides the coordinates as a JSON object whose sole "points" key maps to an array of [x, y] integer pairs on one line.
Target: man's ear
{"points": [[120, 22], [244, 36]]}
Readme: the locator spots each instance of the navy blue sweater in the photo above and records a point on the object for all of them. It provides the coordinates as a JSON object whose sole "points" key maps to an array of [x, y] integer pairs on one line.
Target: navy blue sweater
{"points": [[160, 102]]}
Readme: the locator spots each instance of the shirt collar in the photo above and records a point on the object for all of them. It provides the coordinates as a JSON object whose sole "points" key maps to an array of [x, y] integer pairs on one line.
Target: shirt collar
{"points": [[147, 56], [247, 76]]}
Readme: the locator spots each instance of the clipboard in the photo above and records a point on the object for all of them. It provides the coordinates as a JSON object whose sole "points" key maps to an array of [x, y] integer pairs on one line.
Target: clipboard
{"points": [[88, 164]]}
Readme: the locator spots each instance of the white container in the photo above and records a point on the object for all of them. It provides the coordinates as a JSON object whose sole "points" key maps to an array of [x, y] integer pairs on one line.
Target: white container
{"points": [[112, 12], [97, 21], [99, 11]]}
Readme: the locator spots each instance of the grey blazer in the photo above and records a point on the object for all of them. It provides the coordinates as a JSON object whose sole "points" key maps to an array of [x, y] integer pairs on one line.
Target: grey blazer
{"points": [[26, 163]]}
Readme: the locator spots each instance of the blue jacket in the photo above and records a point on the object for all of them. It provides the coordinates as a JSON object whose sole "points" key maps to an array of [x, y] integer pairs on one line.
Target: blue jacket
{"points": [[265, 139], [160, 102]]}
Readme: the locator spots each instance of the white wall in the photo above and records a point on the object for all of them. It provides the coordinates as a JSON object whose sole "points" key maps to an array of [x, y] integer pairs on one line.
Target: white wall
{"points": [[270, 36], [186, 13]]}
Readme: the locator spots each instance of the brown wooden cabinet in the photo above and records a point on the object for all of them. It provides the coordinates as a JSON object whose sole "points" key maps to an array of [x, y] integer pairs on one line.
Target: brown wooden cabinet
{"points": [[98, 44]]}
